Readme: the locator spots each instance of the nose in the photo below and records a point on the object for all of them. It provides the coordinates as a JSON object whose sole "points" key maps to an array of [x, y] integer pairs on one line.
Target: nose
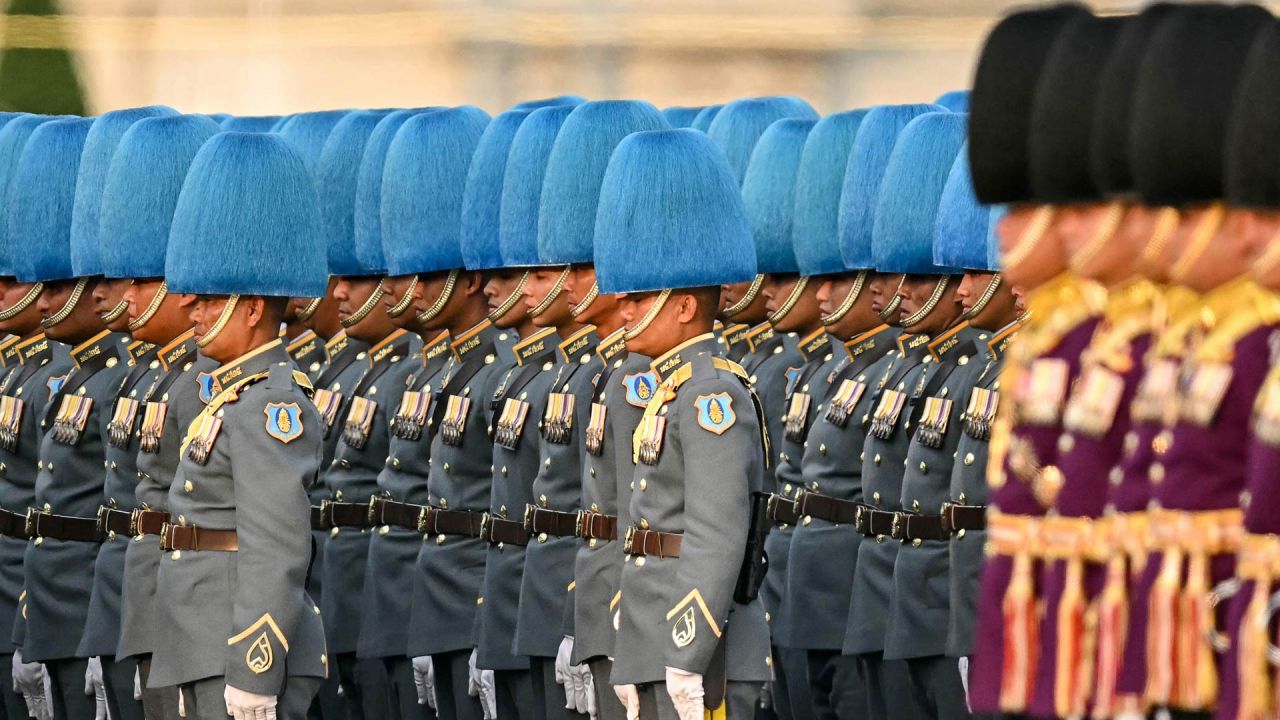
{"points": [[341, 291]]}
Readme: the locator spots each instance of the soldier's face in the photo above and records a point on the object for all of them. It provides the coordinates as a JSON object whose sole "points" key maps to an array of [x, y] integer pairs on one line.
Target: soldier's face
{"points": [[581, 281], [999, 309], [78, 325], [1033, 254], [167, 322], [396, 287], [834, 292], [883, 287], [499, 288], [354, 295], [542, 284], [12, 293], [658, 337], [731, 295], [916, 293], [1212, 247], [804, 313], [109, 303]]}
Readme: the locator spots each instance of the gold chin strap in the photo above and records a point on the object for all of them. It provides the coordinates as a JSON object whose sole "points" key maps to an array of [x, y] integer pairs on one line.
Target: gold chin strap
{"points": [[849, 301], [1103, 235], [368, 306], [1166, 224], [635, 332], [403, 304], [114, 313], [591, 296], [221, 324], [891, 310], [930, 304], [69, 307], [985, 298], [23, 303], [554, 293], [152, 308], [790, 303], [430, 313], [1199, 243], [511, 300], [748, 298], [309, 309], [1031, 237]]}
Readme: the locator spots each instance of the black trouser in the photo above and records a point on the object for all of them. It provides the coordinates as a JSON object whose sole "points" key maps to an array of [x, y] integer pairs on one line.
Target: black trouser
{"points": [[327, 704], [117, 679], [453, 672], [739, 701], [204, 700], [890, 695], [608, 706], [364, 687], [515, 696], [791, 696], [11, 702], [939, 688], [822, 679], [66, 678], [402, 693], [848, 688], [550, 692]]}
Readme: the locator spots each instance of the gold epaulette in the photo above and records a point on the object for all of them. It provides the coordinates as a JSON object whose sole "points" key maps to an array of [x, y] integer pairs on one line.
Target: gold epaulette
{"points": [[684, 373], [302, 380], [228, 395], [1130, 313], [1058, 308], [1251, 307], [730, 366]]}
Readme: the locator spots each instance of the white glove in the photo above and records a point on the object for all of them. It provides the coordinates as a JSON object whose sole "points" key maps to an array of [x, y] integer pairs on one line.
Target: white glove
{"points": [[964, 680], [424, 678], [94, 688], [592, 709], [562, 662], [685, 689], [583, 685], [137, 684], [244, 705], [30, 680], [630, 699], [480, 684]]}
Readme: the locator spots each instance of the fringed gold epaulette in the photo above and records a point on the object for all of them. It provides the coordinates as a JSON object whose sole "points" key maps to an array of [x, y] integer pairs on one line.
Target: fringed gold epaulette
{"points": [[1130, 312], [1057, 309], [1251, 307]]}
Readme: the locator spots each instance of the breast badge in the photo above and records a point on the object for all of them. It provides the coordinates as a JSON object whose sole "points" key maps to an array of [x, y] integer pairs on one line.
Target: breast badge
{"points": [[640, 388], [715, 412], [284, 421]]}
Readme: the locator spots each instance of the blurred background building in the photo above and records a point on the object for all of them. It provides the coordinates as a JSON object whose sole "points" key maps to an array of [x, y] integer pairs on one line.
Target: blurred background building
{"points": [[277, 56]]}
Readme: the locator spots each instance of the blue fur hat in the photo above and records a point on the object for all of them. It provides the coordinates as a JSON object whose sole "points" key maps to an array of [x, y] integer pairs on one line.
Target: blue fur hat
{"points": [[368, 210], [871, 149], [99, 148], [338, 178], [578, 160], [141, 192], [671, 216], [41, 197], [12, 140], [740, 124], [954, 101], [702, 121], [422, 187], [523, 183], [482, 198], [964, 235], [5, 117], [250, 123], [308, 131], [906, 215], [246, 222], [816, 232], [769, 193], [681, 117], [557, 101]]}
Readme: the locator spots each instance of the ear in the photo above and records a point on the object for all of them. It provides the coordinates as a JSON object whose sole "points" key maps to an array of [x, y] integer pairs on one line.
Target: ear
{"points": [[470, 283], [686, 308], [186, 300], [256, 309]]}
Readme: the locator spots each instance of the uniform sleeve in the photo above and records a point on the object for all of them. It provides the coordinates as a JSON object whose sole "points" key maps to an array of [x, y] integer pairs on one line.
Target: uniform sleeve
{"points": [[720, 456], [273, 529]]}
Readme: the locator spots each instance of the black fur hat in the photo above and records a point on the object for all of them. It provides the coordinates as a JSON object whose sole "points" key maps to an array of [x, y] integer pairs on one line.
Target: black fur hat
{"points": [[1253, 145]]}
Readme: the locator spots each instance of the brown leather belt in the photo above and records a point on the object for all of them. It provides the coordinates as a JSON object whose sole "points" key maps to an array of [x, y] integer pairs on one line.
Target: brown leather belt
{"points": [[63, 527], [640, 542], [825, 507], [782, 510], [964, 517], [318, 521], [190, 537], [147, 522], [114, 522], [505, 532], [346, 514], [913, 527], [385, 511], [13, 525], [539, 521], [597, 526], [435, 521], [876, 523]]}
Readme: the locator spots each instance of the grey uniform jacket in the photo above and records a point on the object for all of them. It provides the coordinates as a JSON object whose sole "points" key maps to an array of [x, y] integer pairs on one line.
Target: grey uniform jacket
{"points": [[883, 453], [520, 400], [622, 389], [59, 573], [450, 568], [174, 399], [244, 615], [547, 586], [352, 477], [768, 357], [102, 631], [969, 487], [805, 389], [700, 456], [919, 604], [823, 554], [30, 365], [393, 550]]}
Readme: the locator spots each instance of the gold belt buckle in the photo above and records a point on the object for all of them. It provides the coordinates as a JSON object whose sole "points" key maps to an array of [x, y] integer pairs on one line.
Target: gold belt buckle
{"points": [[486, 527], [372, 513], [527, 522], [626, 541], [424, 515], [164, 536], [101, 519], [895, 529], [30, 524], [579, 524], [135, 516]]}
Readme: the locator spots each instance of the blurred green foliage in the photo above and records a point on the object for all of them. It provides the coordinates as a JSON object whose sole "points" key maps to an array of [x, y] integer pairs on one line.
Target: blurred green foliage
{"points": [[35, 80]]}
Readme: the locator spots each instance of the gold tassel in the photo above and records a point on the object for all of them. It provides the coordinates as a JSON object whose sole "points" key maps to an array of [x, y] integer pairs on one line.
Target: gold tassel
{"points": [[1113, 629], [1254, 669], [1161, 619], [1021, 636], [1197, 674]]}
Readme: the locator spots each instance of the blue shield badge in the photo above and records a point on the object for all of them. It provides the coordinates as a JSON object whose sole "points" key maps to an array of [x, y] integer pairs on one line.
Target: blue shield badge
{"points": [[793, 377], [640, 387], [208, 387], [715, 412], [284, 421], [55, 384]]}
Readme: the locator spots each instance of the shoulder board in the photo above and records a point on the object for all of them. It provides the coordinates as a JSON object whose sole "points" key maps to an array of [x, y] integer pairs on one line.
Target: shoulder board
{"points": [[232, 393], [730, 366], [302, 380]]}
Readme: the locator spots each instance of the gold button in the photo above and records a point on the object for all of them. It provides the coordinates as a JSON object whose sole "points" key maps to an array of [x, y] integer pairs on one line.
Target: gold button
{"points": [[786, 489], [188, 486], [542, 537], [962, 498], [644, 484], [640, 562], [644, 524], [1130, 442], [1066, 442], [542, 500], [384, 529], [504, 470], [875, 498], [1162, 442], [806, 520], [111, 534], [915, 543], [316, 608], [960, 533], [968, 458], [48, 507], [1116, 475], [768, 617], [877, 458], [924, 468], [324, 659], [444, 502], [333, 532], [592, 470], [440, 539], [446, 467], [176, 554], [915, 505], [39, 540], [395, 462], [1246, 499], [822, 448], [1156, 473]]}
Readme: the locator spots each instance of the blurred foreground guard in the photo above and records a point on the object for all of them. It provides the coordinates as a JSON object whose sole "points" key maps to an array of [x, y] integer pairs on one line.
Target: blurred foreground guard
{"points": [[245, 640], [690, 633]]}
